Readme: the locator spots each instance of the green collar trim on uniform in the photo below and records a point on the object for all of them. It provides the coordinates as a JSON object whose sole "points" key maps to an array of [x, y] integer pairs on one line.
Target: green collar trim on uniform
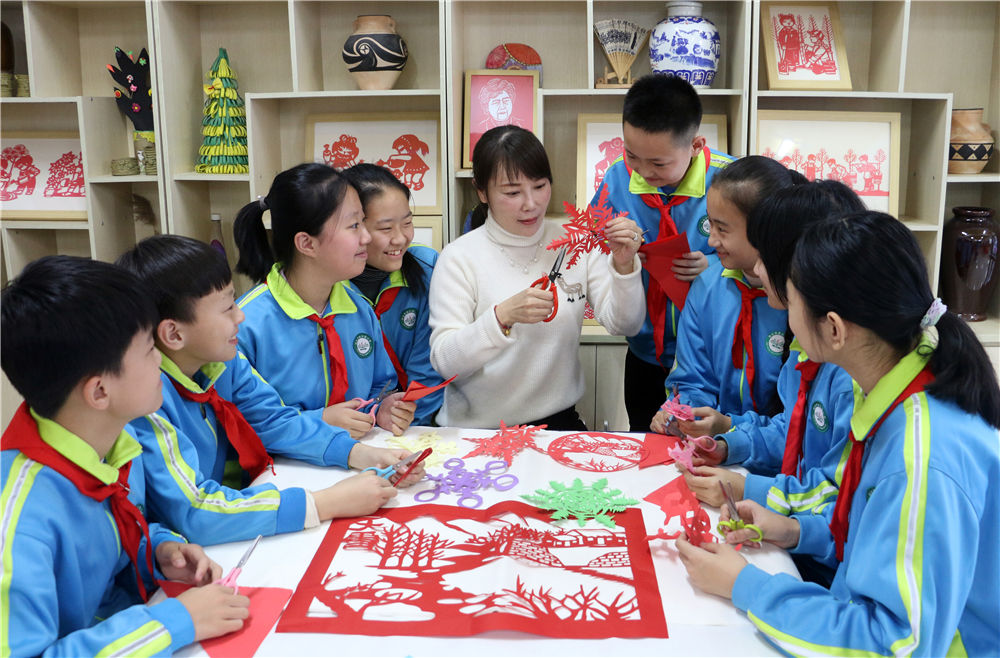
{"points": [[692, 185], [292, 304], [867, 410], [211, 370], [796, 346], [81, 453]]}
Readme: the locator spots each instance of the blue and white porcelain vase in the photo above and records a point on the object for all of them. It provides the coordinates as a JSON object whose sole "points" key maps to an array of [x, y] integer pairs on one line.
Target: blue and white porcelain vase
{"points": [[375, 55], [686, 45]]}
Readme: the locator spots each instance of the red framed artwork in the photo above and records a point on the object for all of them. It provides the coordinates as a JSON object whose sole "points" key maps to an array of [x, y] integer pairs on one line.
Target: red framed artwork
{"points": [[437, 570], [497, 97], [804, 46]]}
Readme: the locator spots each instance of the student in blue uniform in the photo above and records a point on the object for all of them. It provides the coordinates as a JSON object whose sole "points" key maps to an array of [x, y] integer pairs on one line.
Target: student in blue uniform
{"points": [[915, 523], [661, 183], [798, 476], [730, 342], [220, 420], [78, 555], [308, 332], [396, 279]]}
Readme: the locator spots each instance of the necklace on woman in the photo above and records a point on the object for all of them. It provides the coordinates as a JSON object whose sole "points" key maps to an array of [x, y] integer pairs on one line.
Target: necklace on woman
{"points": [[523, 267]]}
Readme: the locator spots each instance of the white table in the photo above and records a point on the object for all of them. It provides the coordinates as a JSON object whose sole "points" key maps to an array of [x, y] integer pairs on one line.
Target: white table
{"points": [[698, 623]]}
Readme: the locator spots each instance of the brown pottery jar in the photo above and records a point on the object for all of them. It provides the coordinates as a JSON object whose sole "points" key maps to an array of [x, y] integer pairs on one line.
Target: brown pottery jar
{"points": [[969, 261]]}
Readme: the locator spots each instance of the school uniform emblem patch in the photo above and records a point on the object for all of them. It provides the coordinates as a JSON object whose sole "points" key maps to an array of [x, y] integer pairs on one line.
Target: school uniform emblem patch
{"points": [[704, 226], [363, 345], [408, 318], [775, 343], [818, 416]]}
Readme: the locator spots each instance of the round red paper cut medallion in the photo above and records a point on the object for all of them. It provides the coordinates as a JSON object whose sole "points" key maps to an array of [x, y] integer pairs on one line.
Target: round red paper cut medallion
{"points": [[596, 451]]}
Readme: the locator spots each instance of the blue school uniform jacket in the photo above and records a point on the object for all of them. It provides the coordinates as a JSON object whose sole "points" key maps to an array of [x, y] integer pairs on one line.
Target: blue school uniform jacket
{"points": [[193, 474], [406, 328], [921, 567], [289, 350], [690, 216], [68, 586], [704, 375]]}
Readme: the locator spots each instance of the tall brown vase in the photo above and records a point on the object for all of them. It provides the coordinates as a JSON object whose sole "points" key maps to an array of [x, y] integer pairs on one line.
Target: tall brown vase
{"points": [[970, 260]]}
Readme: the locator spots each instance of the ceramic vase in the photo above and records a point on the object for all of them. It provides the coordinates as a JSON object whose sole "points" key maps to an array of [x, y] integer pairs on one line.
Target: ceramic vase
{"points": [[970, 258], [686, 45], [971, 142], [374, 54]]}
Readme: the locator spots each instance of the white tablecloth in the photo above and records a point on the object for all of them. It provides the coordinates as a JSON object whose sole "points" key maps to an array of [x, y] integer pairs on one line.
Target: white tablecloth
{"points": [[698, 623]]}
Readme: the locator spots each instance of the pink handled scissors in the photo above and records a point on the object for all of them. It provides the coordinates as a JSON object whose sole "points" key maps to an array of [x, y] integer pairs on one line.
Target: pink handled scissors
{"points": [[230, 579]]}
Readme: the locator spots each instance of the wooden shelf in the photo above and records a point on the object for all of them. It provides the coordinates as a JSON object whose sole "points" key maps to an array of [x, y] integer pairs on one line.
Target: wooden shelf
{"points": [[137, 178], [986, 177], [988, 331], [45, 224], [196, 176]]}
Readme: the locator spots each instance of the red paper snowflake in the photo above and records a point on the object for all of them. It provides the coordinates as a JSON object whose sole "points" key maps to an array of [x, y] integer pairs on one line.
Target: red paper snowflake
{"points": [[506, 443], [585, 228]]}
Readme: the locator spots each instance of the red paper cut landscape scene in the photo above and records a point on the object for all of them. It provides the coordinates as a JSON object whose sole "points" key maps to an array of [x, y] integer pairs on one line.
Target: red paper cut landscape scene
{"points": [[600, 452], [441, 570]]}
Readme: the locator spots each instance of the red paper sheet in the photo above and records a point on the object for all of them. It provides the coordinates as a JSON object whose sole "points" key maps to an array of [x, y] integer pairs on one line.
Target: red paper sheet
{"points": [[677, 500], [657, 449], [660, 257], [266, 604], [436, 570], [416, 390], [600, 452]]}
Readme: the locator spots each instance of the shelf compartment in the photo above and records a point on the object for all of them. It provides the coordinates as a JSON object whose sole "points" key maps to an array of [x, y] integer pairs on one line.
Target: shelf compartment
{"points": [[196, 176], [985, 177], [730, 17], [112, 224], [23, 245], [321, 28]]}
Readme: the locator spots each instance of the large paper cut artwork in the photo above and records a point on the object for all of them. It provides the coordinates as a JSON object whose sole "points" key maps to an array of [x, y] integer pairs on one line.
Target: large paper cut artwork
{"points": [[600, 452], [445, 571], [506, 443], [41, 177], [585, 229], [582, 502]]}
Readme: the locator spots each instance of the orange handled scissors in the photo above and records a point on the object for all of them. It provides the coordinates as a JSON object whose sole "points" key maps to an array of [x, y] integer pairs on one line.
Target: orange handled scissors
{"points": [[230, 579], [548, 282]]}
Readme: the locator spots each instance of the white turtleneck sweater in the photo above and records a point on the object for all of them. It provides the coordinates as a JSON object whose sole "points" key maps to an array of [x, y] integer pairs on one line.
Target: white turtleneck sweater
{"points": [[535, 371]]}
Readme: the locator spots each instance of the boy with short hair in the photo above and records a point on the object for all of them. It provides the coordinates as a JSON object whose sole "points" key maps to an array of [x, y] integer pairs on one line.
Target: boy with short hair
{"points": [[220, 419], [76, 342], [661, 182]]}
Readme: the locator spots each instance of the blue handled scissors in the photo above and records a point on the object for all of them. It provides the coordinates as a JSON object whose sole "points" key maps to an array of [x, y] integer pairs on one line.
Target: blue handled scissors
{"points": [[398, 471]]}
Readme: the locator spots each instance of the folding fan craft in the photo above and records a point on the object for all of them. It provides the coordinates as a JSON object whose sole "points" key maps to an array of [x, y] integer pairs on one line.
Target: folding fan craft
{"points": [[437, 570]]}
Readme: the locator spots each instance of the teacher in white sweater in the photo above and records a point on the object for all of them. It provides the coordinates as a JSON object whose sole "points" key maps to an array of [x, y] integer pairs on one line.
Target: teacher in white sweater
{"points": [[487, 321]]}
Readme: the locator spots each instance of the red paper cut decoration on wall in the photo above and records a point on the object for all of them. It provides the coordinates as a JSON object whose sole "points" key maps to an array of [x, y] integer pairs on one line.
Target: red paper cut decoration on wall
{"points": [[405, 163], [677, 500], [445, 571], [506, 443], [65, 176], [342, 153], [585, 228], [18, 173], [611, 150], [597, 451], [266, 604], [862, 173]]}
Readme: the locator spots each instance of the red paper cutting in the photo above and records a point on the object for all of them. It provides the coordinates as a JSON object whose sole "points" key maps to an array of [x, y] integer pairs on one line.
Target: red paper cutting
{"points": [[585, 228], [506, 443], [660, 256], [435, 570], [266, 604], [416, 390], [677, 500], [597, 451], [657, 450]]}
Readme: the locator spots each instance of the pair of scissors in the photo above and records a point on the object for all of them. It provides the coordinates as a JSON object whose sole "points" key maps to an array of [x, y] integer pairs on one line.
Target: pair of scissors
{"points": [[386, 391], [398, 471], [230, 579], [735, 522], [548, 282]]}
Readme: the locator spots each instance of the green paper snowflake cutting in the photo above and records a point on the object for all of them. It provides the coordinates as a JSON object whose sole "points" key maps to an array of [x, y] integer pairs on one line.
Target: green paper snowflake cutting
{"points": [[581, 502]]}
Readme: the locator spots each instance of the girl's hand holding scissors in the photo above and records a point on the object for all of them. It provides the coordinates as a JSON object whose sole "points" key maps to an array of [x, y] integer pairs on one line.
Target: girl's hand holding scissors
{"points": [[345, 415], [186, 563], [775, 528]]}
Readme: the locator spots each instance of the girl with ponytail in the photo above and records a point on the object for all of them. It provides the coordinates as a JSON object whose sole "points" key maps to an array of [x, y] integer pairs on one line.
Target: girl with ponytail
{"points": [[915, 524], [307, 331]]}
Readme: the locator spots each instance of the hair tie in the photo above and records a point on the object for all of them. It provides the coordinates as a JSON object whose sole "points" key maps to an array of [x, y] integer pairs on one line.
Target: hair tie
{"points": [[262, 202], [933, 313]]}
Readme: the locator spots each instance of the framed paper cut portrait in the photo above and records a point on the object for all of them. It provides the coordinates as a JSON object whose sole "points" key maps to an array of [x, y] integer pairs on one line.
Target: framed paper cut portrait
{"points": [[497, 97], [406, 143], [41, 176], [859, 149], [804, 46], [600, 143]]}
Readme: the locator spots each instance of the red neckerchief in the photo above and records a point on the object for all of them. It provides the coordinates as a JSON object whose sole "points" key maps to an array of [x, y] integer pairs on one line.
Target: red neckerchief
{"points": [[250, 449], [656, 298], [852, 471], [335, 352], [22, 434], [385, 301], [797, 424], [742, 337]]}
